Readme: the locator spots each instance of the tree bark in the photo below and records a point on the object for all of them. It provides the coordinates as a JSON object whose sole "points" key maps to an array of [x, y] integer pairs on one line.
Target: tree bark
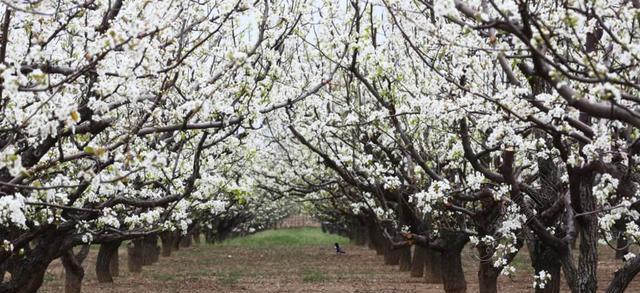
{"points": [[624, 276], [360, 235], [487, 273], [379, 242], [155, 248], [28, 270], [34, 282], [134, 260], [73, 270], [167, 243], [176, 240], [209, 236], [114, 264], [195, 233], [487, 278], [544, 258], [391, 256], [185, 241], [452, 272], [371, 236], [107, 255], [150, 250], [587, 281], [418, 261], [72, 276], [433, 267], [405, 258]]}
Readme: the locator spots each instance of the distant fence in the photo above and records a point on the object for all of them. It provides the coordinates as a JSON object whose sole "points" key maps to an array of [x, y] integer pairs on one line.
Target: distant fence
{"points": [[297, 221]]}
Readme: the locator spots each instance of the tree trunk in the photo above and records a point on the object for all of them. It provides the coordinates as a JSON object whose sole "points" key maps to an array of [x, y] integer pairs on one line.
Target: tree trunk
{"points": [[209, 236], [150, 250], [134, 260], [365, 236], [196, 235], [405, 258], [379, 242], [371, 237], [185, 241], [487, 277], [72, 277], [360, 235], [155, 248], [34, 282], [587, 281], [107, 255], [391, 256], [487, 273], [418, 261], [167, 243], [433, 267], [544, 258], [176, 240], [452, 272], [114, 264], [73, 270], [27, 270]]}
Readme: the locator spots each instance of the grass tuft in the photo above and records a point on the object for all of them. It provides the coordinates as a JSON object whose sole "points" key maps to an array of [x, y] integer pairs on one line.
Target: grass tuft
{"points": [[287, 237]]}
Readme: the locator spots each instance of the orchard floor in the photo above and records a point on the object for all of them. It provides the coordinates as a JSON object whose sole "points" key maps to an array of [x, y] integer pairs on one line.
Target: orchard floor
{"points": [[285, 261]]}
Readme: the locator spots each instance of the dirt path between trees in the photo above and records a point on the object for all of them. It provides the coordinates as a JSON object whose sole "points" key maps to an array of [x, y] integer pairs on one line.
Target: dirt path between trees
{"points": [[209, 268]]}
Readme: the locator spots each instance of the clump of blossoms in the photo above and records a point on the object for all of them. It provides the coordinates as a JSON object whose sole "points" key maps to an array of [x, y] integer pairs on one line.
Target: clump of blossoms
{"points": [[541, 279], [12, 211]]}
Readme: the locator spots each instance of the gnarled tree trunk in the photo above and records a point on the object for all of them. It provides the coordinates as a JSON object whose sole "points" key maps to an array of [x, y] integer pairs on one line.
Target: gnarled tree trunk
{"points": [[107, 258], [73, 270]]}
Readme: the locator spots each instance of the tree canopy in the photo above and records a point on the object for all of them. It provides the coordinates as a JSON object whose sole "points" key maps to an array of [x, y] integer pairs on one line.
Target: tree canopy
{"points": [[440, 124]]}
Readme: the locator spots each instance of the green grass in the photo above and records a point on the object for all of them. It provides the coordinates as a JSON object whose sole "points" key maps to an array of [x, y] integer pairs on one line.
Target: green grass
{"points": [[162, 277], [230, 277], [313, 276], [287, 237]]}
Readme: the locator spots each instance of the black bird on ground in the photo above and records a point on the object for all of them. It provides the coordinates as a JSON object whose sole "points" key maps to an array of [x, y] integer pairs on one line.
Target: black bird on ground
{"points": [[338, 249]]}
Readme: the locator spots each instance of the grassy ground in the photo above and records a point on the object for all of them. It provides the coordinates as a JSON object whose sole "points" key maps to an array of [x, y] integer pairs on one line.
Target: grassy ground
{"points": [[295, 260], [286, 237]]}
